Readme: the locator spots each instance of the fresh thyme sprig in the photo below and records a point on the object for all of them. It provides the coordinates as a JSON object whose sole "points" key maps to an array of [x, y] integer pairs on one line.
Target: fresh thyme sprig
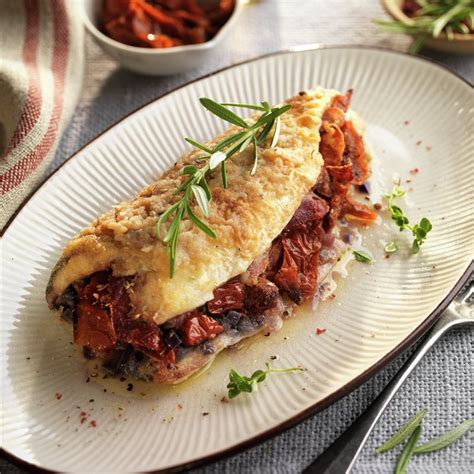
{"points": [[433, 18], [195, 185], [240, 383], [419, 231]]}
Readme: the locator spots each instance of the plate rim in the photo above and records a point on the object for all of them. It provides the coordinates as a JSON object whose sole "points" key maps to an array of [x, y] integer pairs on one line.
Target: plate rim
{"points": [[346, 389]]}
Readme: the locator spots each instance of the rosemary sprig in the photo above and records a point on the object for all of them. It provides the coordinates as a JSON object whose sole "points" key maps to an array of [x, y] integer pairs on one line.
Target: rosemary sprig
{"points": [[195, 187], [407, 452], [411, 430], [445, 439], [433, 18], [403, 433], [419, 231], [240, 383]]}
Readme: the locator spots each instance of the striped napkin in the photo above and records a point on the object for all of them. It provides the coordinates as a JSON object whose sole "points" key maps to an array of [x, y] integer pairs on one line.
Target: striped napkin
{"points": [[41, 67]]}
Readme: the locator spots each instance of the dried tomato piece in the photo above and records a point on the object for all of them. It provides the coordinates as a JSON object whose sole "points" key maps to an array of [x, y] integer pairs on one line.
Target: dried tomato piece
{"points": [[323, 185], [355, 153], [342, 173], [141, 334], [334, 115], [94, 328], [342, 205], [335, 212], [332, 144], [298, 273], [226, 297], [170, 357], [118, 299], [261, 296], [114, 8], [96, 290], [342, 101], [312, 209], [199, 329], [354, 210]]}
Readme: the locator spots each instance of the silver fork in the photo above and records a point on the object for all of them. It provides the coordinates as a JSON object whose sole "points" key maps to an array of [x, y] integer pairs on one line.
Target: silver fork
{"points": [[341, 456]]}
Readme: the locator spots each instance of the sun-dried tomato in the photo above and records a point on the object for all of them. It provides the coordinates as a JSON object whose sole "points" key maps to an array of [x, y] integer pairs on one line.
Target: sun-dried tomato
{"points": [[199, 329], [170, 357], [226, 297], [354, 153], [118, 299], [354, 210], [96, 290], [141, 334], [94, 328], [261, 296], [298, 273], [342, 101], [162, 24], [334, 115], [342, 205], [342, 173], [312, 209], [332, 144], [323, 186], [103, 317]]}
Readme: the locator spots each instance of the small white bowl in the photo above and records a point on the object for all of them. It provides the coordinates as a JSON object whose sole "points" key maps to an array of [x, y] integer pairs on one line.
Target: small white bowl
{"points": [[151, 61]]}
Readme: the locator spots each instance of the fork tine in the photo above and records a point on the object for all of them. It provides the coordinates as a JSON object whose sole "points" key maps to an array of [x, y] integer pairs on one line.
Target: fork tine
{"points": [[466, 297]]}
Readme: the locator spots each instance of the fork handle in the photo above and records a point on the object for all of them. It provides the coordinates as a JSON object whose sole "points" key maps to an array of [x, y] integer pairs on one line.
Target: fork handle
{"points": [[341, 455]]}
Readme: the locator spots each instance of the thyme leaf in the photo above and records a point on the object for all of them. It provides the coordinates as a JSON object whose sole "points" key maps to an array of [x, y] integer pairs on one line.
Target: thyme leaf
{"points": [[241, 384], [362, 256], [419, 231]]}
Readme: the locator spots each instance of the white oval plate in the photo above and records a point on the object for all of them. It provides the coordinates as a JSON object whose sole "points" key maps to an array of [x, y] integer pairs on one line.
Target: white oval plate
{"points": [[418, 116]]}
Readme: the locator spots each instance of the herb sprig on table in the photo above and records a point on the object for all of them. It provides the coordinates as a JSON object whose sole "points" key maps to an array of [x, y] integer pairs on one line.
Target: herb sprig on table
{"points": [[419, 231], [433, 18], [240, 383], [411, 430], [196, 186]]}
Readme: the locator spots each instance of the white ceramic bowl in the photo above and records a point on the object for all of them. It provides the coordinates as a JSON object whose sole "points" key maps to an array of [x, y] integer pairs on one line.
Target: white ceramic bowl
{"points": [[151, 61]]}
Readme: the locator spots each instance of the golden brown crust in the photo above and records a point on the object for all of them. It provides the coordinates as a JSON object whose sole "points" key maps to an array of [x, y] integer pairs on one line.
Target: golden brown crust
{"points": [[246, 218]]}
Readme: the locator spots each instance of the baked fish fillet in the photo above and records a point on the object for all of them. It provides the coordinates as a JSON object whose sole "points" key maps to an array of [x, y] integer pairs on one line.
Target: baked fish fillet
{"points": [[277, 232]]}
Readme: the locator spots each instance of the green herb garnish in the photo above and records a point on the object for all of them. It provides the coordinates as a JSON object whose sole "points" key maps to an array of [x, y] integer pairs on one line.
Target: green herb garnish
{"points": [[445, 439], [407, 452], [419, 231], [195, 187], [412, 429], [391, 247], [403, 433], [362, 256], [434, 18], [240, 383]]}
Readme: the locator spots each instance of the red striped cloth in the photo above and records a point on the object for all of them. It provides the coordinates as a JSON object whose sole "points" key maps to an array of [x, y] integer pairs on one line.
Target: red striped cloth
{"points": [[41, 67]]}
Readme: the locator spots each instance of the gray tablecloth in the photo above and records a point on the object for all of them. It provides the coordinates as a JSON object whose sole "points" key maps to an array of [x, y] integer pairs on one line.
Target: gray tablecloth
{"points": [[443, 382]]}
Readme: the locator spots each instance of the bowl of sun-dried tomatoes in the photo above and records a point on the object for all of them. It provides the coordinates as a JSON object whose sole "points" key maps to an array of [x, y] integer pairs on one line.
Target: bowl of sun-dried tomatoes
{"points": [[160, 37]]}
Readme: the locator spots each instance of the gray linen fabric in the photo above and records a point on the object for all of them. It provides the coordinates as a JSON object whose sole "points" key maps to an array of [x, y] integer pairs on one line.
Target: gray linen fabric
{"points": [[443, 381]]}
